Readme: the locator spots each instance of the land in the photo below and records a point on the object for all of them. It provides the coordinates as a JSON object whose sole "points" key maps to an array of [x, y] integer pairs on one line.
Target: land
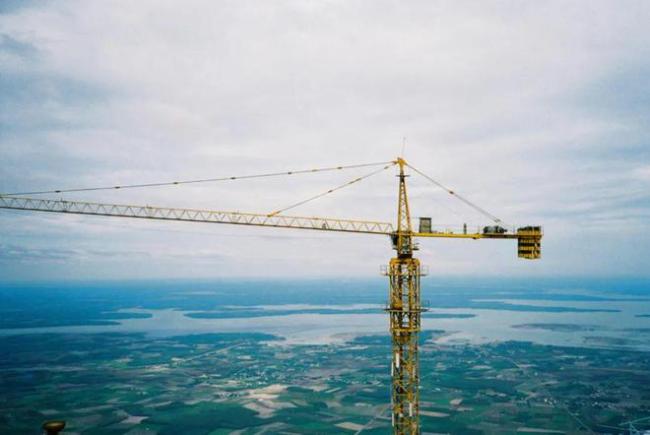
{"points": [[255, 383]]}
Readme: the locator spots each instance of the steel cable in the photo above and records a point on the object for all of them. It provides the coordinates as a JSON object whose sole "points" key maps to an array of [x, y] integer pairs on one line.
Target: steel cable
{"points": [[460, 198], [203, 180], [320, 195]]}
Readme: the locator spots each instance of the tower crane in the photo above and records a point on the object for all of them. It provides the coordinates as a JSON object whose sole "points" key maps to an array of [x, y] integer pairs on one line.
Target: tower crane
{"points": [[404, 305]]}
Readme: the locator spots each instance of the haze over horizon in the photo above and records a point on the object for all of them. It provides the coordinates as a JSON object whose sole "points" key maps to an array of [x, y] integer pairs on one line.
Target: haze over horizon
{"points": [[540, 115]]}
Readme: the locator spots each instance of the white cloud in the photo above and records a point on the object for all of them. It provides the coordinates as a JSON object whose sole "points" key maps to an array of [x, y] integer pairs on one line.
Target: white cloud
{"points": [[525, 108]]}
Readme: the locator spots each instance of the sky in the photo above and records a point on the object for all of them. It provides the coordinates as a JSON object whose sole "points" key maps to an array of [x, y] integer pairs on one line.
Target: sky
{"points": [[538, 112]]}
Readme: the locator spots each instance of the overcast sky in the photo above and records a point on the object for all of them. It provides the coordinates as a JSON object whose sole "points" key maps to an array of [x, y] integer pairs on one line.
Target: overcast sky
{"points": [[537, 111]]}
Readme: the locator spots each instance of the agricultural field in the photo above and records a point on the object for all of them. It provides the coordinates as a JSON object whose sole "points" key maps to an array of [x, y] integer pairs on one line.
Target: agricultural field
{"points": [[255, 383]]}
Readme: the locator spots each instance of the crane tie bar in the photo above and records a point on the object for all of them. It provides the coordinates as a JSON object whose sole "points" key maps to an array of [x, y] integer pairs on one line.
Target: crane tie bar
{"points": [[327, 192], [460, 198], [202, 180]]}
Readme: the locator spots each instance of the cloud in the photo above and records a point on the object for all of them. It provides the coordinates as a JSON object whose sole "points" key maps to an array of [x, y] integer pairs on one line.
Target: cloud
{"points": [[23, 254], [536, 112]]}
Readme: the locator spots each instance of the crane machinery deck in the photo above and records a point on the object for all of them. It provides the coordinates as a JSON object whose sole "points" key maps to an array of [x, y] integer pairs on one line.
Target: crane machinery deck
{"points": [[404, 305]]}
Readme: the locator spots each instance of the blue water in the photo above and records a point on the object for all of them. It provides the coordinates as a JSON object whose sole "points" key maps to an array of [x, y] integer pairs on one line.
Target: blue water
{"points": [[572, 312]]}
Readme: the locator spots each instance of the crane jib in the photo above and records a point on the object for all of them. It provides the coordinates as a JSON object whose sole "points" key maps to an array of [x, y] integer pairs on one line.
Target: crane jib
{"points": [[195, 215], [529, 238]]}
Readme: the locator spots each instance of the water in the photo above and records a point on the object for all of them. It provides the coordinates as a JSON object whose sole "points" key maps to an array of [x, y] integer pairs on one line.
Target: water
{"points": [[556, 312]]}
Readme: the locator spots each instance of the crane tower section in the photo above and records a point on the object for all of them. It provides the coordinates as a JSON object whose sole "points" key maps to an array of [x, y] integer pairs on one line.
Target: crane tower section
{"points": [[404, 308]]}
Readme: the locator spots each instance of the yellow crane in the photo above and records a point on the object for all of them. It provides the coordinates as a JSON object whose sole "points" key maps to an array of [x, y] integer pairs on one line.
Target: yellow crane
{"points": [[404, 271]]}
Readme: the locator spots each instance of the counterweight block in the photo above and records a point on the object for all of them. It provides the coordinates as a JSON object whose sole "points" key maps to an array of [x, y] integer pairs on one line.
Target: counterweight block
{"points": [[529, 242]]}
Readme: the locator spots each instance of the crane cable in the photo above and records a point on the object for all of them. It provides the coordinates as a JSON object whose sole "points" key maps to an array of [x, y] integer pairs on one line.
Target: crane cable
{"points": [[320, 195], [460, 198], [203, 180]]}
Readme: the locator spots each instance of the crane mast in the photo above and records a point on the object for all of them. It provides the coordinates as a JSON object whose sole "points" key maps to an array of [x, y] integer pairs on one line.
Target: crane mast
{"points": [[404, 308], [404, 272]]}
